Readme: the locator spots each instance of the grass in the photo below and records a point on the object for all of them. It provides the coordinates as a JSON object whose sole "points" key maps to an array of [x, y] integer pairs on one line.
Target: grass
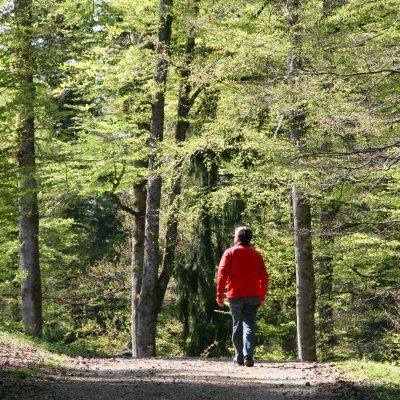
{"points": [[72, 350], [374, 380], [21, 373]]}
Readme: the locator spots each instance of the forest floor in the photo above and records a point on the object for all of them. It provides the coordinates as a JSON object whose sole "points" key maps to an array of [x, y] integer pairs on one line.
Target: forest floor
{"points": [[30, 373]]}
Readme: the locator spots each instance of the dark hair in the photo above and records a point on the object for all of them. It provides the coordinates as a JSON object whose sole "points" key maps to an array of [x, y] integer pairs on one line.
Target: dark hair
{"points": [[244, 233]]}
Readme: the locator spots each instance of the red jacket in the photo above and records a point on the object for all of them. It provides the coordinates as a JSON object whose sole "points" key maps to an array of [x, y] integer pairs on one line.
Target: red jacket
{"points": [[243, 268]]}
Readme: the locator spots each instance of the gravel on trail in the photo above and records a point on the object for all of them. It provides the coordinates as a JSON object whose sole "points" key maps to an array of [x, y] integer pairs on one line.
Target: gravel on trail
{"points": [[162, 379]]}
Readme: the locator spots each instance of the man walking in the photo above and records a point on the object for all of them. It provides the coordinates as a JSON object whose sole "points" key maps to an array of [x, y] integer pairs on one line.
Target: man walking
{"points": [[242, 268]]}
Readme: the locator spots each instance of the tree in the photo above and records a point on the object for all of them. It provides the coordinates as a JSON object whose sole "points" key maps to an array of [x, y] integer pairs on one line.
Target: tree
{"points": [[185, 101], [305, 287], [149, 293], [28, 202]]}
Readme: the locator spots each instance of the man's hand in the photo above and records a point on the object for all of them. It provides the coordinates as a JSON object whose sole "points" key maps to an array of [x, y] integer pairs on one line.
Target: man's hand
{"points": [[220, 302], [262, 302]]}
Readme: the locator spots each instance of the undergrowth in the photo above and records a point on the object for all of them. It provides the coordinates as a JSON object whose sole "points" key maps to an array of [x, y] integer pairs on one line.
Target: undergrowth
{"points": [[373, 380]]}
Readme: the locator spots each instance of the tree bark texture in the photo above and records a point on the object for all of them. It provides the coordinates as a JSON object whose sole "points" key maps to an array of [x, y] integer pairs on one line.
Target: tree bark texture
{"points": [[28, 202], [305, 284], [139, 206], [149, 294], [305, 287]]}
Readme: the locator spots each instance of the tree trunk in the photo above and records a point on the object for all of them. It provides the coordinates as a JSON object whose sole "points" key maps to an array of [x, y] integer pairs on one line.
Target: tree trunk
{"points": [[149, 294], [305, 288], [184, 105], [28, 202], [139, 206], [305, 285]]}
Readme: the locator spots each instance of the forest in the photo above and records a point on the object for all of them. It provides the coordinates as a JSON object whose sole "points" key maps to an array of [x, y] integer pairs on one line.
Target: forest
{"points": [[135, 135]]}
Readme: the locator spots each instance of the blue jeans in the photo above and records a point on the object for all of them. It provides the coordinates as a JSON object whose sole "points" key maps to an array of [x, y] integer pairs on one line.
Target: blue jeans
{"points": [[244, 315]]}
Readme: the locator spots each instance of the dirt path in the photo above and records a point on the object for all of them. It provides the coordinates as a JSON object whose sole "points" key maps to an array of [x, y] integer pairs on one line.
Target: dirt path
{"points": [[162, 379]]}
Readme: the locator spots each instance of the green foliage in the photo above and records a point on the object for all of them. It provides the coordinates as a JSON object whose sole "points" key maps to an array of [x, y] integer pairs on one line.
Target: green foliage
{"points": [[94, 318], [374, 380], [93, 84], [170, 342]]}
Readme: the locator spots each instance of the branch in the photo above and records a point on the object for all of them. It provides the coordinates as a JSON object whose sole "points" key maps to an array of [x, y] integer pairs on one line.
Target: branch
{"points": [[121, 205], [353, 224], [379, 71], [9, 148], [360, 274], [258, 13], [279, 127], [346, 292], [196, 93], [115, 183], [117, 180], [349, 153], [281, 182], [359, 44]]}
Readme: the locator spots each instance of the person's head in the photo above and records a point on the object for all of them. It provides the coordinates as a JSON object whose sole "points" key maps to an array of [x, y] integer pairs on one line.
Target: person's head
{"points": [[243, 235]]}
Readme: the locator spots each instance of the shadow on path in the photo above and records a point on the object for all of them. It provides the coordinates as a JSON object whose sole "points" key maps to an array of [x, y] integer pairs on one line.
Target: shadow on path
{"points": [[124, 384]]}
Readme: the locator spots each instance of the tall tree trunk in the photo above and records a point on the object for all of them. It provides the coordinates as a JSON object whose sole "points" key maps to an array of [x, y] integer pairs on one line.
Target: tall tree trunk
{"points": [[149, 294], [28, 202], [138, 228], [185, 103], [325, 309], [305, 284]]}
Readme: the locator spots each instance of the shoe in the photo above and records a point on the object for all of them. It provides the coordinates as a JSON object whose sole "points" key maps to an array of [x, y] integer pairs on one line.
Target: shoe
{"points": [[240, 363], [248, 362]]}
